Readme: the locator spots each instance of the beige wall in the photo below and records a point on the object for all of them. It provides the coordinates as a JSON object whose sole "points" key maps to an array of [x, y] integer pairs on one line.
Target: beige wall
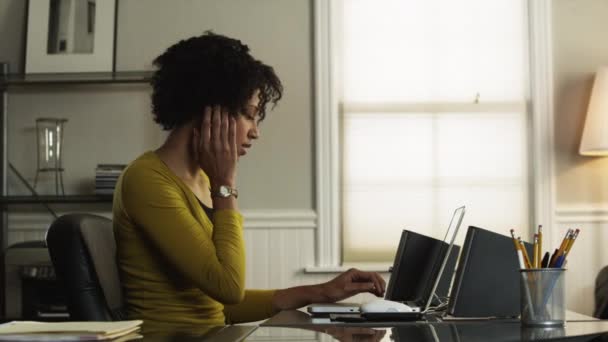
{"points": [[579, 37], [579, 42], [112, 124], [12, 33]]}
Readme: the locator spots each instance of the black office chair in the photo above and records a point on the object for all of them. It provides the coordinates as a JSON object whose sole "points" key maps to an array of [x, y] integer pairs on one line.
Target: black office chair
{"points": [[83, 252], [601, 294]]}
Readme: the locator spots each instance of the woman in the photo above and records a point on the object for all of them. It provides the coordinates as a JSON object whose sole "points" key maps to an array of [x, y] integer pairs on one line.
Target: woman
{"points": [[178, 230]]}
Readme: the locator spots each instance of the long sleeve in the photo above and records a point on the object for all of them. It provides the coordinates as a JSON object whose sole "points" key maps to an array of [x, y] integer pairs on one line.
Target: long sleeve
{"points": [[210, 255], [256, 306]]}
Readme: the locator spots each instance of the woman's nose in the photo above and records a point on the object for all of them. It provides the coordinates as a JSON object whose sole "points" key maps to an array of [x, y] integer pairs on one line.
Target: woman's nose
{"points": [[254, 132]]}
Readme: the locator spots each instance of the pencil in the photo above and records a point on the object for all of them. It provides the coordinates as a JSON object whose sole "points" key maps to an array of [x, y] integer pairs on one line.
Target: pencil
{"points": [[536, 257], [572, 239], [540, 240], [562, 262], [561, 249], [525, 253], [514, 240], [520, 255]]}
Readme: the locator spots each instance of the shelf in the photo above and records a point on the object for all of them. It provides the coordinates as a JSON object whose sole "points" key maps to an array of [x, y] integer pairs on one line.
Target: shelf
{"points": [[75, 78], [11, 200]]}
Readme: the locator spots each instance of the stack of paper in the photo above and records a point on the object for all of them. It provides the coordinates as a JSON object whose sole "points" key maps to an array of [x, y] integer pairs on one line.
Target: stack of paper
{"points": [[69, 331]]}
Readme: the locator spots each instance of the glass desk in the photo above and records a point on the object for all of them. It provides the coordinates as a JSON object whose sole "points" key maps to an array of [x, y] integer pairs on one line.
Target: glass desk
{"points": [[437, 332], [298, 319], [296, 326], [304, 327]]}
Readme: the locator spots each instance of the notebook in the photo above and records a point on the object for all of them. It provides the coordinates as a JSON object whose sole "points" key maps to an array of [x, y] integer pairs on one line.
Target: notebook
{"points": [[78, 331], [417, 272]]}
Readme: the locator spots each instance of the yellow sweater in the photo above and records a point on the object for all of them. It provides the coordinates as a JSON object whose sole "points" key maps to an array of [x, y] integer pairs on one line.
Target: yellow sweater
{"points": [[177, 265]]}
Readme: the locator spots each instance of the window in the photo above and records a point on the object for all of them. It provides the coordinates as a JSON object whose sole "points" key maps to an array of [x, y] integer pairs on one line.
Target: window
{"points": [[431, 99]]}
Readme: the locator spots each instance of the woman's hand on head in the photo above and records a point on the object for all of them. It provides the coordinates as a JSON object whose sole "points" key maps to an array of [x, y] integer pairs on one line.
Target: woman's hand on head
{"points": [[353, 282], [214, 146]]}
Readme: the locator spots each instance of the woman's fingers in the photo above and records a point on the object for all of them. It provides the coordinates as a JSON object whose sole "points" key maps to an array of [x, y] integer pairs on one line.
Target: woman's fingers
{"points": [[224, 132], [373, 277], [206, 128], [383, 283], [216, 122], [232, 137]]}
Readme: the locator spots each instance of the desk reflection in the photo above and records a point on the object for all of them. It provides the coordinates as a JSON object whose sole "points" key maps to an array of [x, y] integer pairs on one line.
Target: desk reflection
{"points": [[436, 332], [413, 332]]}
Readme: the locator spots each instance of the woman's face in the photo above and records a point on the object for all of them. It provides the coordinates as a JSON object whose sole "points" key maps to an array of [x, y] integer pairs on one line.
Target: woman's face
{"points": [[247, 125]]}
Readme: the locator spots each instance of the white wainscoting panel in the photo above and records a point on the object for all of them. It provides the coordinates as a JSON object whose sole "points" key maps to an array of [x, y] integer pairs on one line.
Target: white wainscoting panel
{"points": [[279, 244], [32, 226], [588, 255]]}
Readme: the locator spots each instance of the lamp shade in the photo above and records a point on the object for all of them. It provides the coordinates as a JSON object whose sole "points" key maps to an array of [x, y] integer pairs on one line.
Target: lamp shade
{"points": [[595, 134]]}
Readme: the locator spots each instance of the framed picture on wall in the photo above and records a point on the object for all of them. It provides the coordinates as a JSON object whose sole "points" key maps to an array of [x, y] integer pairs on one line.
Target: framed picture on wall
{"points": [[70, 36]]}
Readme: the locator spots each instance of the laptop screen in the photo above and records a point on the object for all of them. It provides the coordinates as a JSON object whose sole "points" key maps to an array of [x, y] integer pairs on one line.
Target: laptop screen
{"points": [[417, 263], [412, 268], [450, 237]]}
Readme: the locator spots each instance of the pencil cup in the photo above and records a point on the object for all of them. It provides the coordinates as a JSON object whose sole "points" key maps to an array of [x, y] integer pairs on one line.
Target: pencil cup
{"points": [[543, 296]]}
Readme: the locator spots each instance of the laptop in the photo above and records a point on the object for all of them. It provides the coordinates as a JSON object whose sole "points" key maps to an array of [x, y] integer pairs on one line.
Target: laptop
{"points": [[417, 255]]}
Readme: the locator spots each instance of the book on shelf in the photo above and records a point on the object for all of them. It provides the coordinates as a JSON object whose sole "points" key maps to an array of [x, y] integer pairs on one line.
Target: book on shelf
{"points": [[111, 166], [106, 176], [69, 331], [104, 191]]}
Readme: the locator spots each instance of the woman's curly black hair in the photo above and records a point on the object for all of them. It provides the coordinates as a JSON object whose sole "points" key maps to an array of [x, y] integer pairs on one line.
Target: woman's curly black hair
{"points": [[208, 70]]}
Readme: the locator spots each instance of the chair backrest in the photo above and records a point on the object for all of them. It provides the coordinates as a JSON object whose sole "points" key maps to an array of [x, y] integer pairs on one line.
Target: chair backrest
{"points": [[601, 294], [83, 252]]}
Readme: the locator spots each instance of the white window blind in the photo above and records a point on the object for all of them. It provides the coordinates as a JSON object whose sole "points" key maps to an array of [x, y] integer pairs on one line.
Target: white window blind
{"points": [[432, 100]]}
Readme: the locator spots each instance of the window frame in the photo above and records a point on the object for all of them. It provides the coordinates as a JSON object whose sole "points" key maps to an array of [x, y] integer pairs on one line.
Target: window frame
{"points": [[327, 128]]}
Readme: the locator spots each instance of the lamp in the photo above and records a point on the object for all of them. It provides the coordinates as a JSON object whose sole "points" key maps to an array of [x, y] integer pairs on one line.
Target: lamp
{"points": [[50, 150], [595, 134]]}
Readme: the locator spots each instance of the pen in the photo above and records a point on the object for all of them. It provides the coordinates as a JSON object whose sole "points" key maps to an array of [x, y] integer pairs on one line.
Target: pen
{"points": [[545, 262], [553, 257], [522, 248], [560, 261], [536, 257]]}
